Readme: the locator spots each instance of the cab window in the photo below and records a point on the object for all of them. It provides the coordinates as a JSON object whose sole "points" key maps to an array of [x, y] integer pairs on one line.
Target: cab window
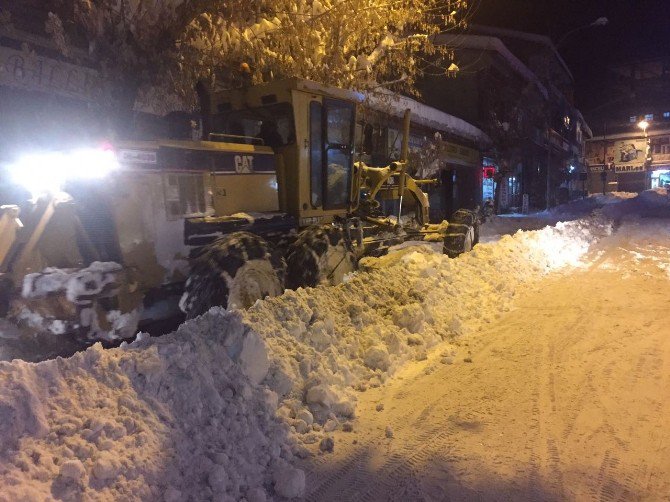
{"points": [[338, 149], [270, 125]]}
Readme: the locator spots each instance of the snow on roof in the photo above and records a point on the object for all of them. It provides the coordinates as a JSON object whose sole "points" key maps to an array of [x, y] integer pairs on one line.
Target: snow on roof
{"points": [[491, 44], [530, 37], [384, 100], [483, 42], [311, 86]]}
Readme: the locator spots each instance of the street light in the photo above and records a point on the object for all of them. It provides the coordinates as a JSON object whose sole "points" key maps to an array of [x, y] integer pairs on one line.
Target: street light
{"points": [[643, 124], [601, 21]]}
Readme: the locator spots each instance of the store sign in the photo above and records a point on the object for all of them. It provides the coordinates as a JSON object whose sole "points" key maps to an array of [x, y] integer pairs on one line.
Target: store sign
{"points": [[629, 169], [624, 154], [138, 156], [30, 71]]}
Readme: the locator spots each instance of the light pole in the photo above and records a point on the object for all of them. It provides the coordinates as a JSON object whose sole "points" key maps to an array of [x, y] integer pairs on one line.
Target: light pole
{"points": [[644, 125], [601, 21]]}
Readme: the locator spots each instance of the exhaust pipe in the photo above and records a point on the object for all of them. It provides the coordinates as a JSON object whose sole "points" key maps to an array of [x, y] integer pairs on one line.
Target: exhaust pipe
{"points": [[205, 101]]}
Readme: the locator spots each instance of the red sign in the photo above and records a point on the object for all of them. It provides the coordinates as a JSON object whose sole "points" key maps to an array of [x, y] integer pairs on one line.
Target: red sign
{"points": [[489, 171]]}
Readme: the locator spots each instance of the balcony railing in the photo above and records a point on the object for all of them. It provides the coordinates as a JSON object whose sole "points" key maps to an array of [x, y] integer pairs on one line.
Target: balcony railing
{"points": [[660, 157]]}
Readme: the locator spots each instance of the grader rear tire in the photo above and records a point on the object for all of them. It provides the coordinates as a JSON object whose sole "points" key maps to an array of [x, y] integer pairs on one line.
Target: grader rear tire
{"points": [[233, 272], [320, 255]]}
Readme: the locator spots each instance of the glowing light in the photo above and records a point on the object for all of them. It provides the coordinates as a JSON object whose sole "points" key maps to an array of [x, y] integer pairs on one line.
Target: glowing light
{"points": [[643, 124], [48, 172]]}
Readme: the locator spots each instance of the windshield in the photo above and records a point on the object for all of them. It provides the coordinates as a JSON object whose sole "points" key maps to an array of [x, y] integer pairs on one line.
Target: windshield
{"points": [[268, 125]]}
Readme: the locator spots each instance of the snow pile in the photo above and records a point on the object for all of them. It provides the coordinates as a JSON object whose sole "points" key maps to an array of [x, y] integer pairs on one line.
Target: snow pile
{"points": [[653, 203], [209, 412], [166, 418], [79, 286], [584, 207], [51, 294], [506, 224], [612, 197], [326, 342]]}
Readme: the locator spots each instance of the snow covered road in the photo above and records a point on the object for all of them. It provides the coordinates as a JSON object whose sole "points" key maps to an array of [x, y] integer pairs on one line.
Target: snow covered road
{"points": [[565, 397], [533, 368]]}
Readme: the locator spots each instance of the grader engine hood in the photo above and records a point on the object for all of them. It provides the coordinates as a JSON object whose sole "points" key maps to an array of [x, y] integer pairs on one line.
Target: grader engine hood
{"points": [[169, 184]]}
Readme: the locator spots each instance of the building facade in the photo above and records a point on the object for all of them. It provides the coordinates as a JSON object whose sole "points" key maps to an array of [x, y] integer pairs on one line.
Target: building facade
{"points": [[631, 151], [629, 162], [516, 88]]}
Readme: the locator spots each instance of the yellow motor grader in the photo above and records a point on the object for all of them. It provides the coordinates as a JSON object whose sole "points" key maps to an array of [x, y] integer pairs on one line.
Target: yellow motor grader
{"points": [[117, 238]]}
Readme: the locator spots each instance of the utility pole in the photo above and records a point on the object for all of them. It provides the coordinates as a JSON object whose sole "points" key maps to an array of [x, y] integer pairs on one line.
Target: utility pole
{"points": [[603, 175], [548, 191]]}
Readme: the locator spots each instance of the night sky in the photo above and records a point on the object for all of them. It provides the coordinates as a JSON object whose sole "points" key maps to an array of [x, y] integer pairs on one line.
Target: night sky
{"points": [[637, 29]]}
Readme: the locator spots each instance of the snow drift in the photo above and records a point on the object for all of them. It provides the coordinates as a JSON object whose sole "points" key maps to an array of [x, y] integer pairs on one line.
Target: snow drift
{"points": [[218, 409]]}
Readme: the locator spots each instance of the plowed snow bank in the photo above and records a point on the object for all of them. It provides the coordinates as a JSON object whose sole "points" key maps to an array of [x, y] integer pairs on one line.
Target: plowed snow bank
{"points": [[327, 341], [192, 414]]}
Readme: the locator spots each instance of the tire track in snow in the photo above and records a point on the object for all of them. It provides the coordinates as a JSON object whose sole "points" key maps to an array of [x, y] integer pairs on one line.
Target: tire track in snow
{"points": [[396, 477]]}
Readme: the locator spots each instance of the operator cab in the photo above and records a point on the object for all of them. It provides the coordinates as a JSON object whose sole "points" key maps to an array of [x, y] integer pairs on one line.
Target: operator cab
{"points": [[311, 129]]}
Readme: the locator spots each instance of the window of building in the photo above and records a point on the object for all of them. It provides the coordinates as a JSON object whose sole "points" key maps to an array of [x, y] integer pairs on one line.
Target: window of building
{"points": [[666, 115], [632, 119], [661, 145], [649, 117]]}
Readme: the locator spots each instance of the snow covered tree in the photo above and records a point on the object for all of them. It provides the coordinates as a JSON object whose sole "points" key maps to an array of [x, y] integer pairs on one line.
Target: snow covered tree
{"points": [[346, 43], [144, 45]]}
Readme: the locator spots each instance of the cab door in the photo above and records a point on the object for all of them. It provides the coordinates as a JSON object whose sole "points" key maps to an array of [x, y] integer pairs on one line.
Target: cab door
{"points": [[332, 124]]}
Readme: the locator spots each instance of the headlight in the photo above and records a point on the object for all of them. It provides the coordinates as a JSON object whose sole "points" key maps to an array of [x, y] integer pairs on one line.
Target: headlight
{"points": [[48, 172]]}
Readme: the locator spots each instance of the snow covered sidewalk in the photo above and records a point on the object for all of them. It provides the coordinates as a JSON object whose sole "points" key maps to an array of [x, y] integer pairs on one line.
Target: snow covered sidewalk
{"points": [[508, 224]]}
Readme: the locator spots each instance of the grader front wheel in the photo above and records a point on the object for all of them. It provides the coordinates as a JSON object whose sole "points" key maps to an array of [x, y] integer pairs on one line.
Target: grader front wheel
{"points": [[320, 255], [470, 218], [458, 240], [233, 272]]}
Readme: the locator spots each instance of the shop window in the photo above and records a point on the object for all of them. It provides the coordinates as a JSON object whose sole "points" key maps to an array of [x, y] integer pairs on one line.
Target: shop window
{"points": [[649, 117], [632, 119], [666, 115]]}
